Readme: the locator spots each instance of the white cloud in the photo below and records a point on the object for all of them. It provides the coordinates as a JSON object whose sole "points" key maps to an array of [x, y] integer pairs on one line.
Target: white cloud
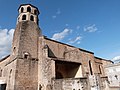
{"points": [[61, 35], [116, 58], [6, 37], [90, 28], [76, 40]]}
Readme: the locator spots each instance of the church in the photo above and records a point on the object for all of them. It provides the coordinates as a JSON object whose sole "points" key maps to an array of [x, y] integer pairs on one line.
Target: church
{"points": [[39, 63]]}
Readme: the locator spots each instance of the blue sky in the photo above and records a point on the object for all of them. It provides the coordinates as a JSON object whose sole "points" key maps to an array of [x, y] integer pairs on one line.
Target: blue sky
{"points": [[93, 25]]}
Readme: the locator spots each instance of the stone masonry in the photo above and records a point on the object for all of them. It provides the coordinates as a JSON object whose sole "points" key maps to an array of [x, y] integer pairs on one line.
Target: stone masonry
{"points": [[39, 63]]}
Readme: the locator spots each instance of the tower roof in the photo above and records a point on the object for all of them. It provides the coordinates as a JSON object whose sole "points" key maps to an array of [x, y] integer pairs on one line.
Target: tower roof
{"points": [[30, 5]]}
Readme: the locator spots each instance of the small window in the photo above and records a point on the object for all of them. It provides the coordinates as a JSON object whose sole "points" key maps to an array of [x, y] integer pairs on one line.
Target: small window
{"points": [[100, 69], [90, 66], [24, 17], [35, 12], [40, 87], [0, 73], [10, 71], [10, 74], [2, 86], [31, 18], [22, 9], [116, 77], [14, 48], [26, 55], [28, 9]]}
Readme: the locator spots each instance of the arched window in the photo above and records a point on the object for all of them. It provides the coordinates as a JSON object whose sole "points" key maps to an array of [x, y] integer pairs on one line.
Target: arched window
{"points": [[22, 9], [26, 55], [100, 69], [24, 17], [14, 49], [35, 12], [90, 68], [10, 79], [31, 18], [1, 73], [10, 73], [28, 9]]}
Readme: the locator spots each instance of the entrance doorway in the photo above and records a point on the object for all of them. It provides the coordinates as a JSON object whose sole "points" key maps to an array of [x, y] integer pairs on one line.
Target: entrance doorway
{"points": [[2, 86]]}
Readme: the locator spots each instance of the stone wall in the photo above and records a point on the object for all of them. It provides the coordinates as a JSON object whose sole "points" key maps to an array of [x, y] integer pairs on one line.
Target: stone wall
{"points": [[113, 73], [26, 39], [72, 54], [70, 84], [26, 76], [46, 67], [8, 70]]}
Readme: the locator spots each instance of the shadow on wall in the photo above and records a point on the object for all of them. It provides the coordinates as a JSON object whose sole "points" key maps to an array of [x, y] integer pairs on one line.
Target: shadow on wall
{"points": [[66, 69]]}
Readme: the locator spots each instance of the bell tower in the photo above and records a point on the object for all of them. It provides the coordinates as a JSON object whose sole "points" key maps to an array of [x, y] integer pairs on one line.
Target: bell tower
{"points": [[25, 48], [27, 32], [28, 12]]}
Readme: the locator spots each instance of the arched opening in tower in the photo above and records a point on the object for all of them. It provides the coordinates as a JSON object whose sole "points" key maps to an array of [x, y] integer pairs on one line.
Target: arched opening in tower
{"points": [[28, 9], [22, 9], [31, 18], [24, 17]]}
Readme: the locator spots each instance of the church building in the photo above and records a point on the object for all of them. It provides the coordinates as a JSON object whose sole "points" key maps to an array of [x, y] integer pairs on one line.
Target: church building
{"points": [[39, 63]]}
